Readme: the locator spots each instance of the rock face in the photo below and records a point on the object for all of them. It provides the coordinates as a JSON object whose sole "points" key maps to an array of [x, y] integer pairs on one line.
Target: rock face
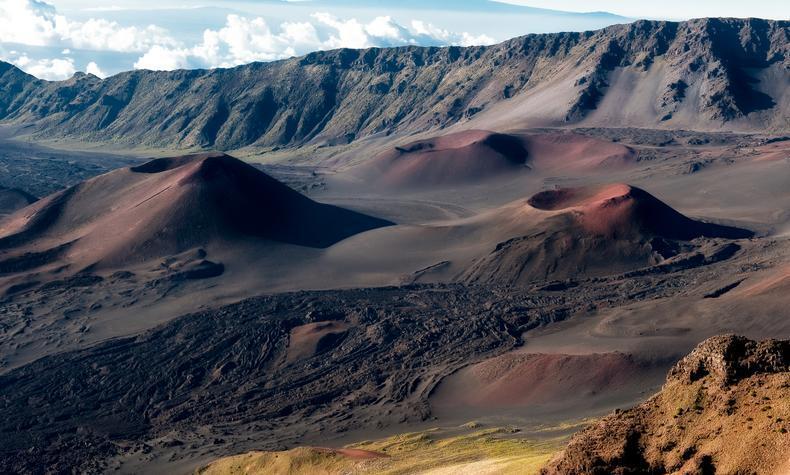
{"points": [[723, 409], [730, 359], [709, 73]]}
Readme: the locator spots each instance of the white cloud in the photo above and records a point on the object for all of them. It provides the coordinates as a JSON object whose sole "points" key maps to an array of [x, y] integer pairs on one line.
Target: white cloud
{"points": [[94, 69], [470, 40], [30, 22], [100, 34], [52, 69], [348, 33], [160, 58], [384, 27], [300, 35], [37, 23], [243, 40], [426, 29], [250, 40], [443, 36]]}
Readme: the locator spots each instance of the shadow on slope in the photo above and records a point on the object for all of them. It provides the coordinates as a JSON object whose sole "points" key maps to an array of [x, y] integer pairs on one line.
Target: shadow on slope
{"points": [[170, 205], [598, 231]]}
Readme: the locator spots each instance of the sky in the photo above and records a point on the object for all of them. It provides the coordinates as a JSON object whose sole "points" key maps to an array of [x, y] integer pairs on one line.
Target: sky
{"points": [[671, 9], [56, 38]]}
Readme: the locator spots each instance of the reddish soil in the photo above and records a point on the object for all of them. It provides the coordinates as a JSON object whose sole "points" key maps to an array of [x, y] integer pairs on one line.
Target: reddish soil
{"points": [[474, 155], [620, 210], [170, 205], [573, 153], [461, 157], [521, 380], [599, 231], [775, 281]]}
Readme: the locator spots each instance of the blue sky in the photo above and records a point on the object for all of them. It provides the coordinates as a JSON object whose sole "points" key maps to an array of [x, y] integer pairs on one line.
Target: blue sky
{"points": [[54, 39], [672, 9]]}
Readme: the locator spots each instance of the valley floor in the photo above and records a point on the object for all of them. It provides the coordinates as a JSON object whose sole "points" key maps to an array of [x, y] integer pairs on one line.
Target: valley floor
{"points": [[377, 335]]}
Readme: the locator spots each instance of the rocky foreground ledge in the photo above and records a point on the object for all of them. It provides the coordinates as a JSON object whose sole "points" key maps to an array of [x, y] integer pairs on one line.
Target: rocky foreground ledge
{"points": [[724, 409]]}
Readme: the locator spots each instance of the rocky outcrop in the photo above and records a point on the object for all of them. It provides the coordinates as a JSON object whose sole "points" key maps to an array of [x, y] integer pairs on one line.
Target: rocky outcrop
{"points": [[723, 409], [729, 359], [708, 69]]}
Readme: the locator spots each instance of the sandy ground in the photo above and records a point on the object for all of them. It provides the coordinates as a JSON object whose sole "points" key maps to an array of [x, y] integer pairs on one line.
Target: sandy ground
{"points": [[617, 339], [739, 182]]}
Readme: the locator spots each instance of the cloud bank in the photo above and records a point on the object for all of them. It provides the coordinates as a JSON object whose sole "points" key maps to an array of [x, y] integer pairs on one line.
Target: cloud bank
{"points": [[58, 68], [37, 23], [241, 40]]}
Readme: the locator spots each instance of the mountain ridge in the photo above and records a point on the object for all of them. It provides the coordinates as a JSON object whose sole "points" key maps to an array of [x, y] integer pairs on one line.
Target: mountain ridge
{"points": [[699, 74]]}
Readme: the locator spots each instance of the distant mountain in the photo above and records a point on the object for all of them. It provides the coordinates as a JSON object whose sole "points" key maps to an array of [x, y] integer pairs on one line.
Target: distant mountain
{"points": [[705, 74], [488, 6]]}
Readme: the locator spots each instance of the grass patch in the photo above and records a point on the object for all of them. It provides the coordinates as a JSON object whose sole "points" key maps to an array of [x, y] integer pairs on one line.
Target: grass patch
{"points": [[497, 450]]}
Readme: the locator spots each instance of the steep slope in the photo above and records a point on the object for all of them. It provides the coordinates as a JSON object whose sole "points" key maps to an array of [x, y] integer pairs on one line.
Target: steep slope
{"points": [[699, 74], [600, 231], [17, 88], [167, 206], [723, 409]]}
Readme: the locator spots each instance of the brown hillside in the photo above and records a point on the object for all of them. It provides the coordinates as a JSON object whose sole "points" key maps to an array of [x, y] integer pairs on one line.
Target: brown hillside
{"points": [[462, 157], [602, 230], [168, 206], [724, 409]]}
